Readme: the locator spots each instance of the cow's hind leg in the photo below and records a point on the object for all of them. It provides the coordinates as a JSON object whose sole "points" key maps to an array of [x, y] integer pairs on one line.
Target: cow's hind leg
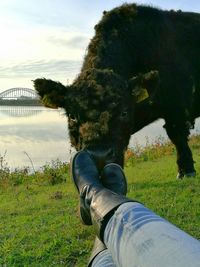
{"points": [[179, 136]]}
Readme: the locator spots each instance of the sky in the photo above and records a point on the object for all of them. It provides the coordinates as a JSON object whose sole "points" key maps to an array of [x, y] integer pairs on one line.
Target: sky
{"points": [[42, 38]]}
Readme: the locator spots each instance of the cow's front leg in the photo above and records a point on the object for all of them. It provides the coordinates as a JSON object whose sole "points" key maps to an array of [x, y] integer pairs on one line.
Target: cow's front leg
{"points": [[178, 134]]}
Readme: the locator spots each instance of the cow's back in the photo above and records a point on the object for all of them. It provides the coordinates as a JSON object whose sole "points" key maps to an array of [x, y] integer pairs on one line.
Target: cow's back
{"points": [[132, 39], [135, 39]]}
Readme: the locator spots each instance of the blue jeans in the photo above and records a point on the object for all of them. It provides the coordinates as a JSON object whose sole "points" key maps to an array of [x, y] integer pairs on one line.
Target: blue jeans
{"points": [[137, 237]]}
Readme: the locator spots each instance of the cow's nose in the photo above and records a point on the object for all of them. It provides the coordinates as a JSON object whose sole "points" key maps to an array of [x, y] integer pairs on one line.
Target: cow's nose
{"points": [[102, 155]]}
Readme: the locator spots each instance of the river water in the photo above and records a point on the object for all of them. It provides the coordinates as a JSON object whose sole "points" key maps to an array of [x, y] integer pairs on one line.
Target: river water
{"points": [[37, 135]]}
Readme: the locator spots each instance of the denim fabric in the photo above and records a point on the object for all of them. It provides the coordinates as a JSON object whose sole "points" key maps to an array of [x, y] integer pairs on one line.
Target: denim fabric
{"points": [[137, 237], [103, 259]]}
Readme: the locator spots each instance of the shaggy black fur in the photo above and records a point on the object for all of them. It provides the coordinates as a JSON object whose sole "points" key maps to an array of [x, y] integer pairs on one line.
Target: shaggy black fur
{"points": [[142, 64]]}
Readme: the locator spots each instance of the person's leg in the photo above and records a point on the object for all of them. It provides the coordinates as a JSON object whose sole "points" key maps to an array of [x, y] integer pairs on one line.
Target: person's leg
{"points": [[135, 236], [103, 259], [113, 178]]}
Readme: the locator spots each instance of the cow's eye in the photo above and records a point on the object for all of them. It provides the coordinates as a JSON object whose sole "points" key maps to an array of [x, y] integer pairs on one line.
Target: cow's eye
{"points": [[113, 105], [72, 118]]}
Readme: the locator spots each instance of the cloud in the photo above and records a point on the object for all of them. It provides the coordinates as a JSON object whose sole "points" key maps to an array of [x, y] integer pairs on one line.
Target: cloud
{"points": [[23, 73], [41, 68], [76, 42], [30, 50]]}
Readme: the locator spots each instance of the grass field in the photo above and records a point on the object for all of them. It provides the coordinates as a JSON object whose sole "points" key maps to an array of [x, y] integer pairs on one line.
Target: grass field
{"points": [[39, 224]]}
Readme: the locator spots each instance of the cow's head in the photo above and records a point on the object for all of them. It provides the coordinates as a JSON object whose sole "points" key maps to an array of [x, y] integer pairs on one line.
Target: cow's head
{"points": [[100, 109]]}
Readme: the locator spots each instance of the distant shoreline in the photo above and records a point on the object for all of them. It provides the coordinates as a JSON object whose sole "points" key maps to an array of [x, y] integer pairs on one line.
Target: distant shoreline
{"points": [[27, 102]]}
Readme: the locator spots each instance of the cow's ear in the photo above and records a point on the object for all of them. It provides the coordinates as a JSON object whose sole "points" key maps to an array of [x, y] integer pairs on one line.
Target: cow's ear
{"points": [[53, 94], [143, 86], [138, 91]]}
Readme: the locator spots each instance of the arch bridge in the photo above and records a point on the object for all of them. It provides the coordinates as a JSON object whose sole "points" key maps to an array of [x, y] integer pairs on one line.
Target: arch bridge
{"points": [[19, 93]]}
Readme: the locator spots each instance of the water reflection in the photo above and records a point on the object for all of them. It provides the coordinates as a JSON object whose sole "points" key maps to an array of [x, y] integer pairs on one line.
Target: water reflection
{"points": [[42, 133], [20, 111], [152, 132]]}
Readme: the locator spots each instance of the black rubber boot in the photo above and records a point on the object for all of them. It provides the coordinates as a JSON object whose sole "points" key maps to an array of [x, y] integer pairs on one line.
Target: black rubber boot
{"points": [[86, 179], [103, 205], [97, 203], [112, 178]]}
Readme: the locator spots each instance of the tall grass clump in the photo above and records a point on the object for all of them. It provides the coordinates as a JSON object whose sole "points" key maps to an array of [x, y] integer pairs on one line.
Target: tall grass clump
{"points": [[51, 173], [159, 148], [55, 172], [150, 151]]}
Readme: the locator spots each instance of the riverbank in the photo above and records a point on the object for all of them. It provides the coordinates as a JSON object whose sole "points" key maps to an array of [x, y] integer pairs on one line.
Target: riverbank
{"points": [[21, 102], [39, 223]]}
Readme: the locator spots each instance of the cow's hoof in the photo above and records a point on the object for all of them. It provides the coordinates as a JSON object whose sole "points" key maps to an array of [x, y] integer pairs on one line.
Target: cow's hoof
{"points": [[190, 174], [181, 175]]}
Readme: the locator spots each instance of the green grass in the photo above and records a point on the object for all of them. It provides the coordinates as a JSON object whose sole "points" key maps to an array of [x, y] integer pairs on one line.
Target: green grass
{"points": [[39, 223]]}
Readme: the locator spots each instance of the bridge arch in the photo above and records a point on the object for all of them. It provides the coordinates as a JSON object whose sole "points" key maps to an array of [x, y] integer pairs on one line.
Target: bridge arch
{"points": [[19, 92]]}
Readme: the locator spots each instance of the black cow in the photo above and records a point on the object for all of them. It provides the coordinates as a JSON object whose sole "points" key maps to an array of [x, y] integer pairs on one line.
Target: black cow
{"points": [[142, 64]]}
